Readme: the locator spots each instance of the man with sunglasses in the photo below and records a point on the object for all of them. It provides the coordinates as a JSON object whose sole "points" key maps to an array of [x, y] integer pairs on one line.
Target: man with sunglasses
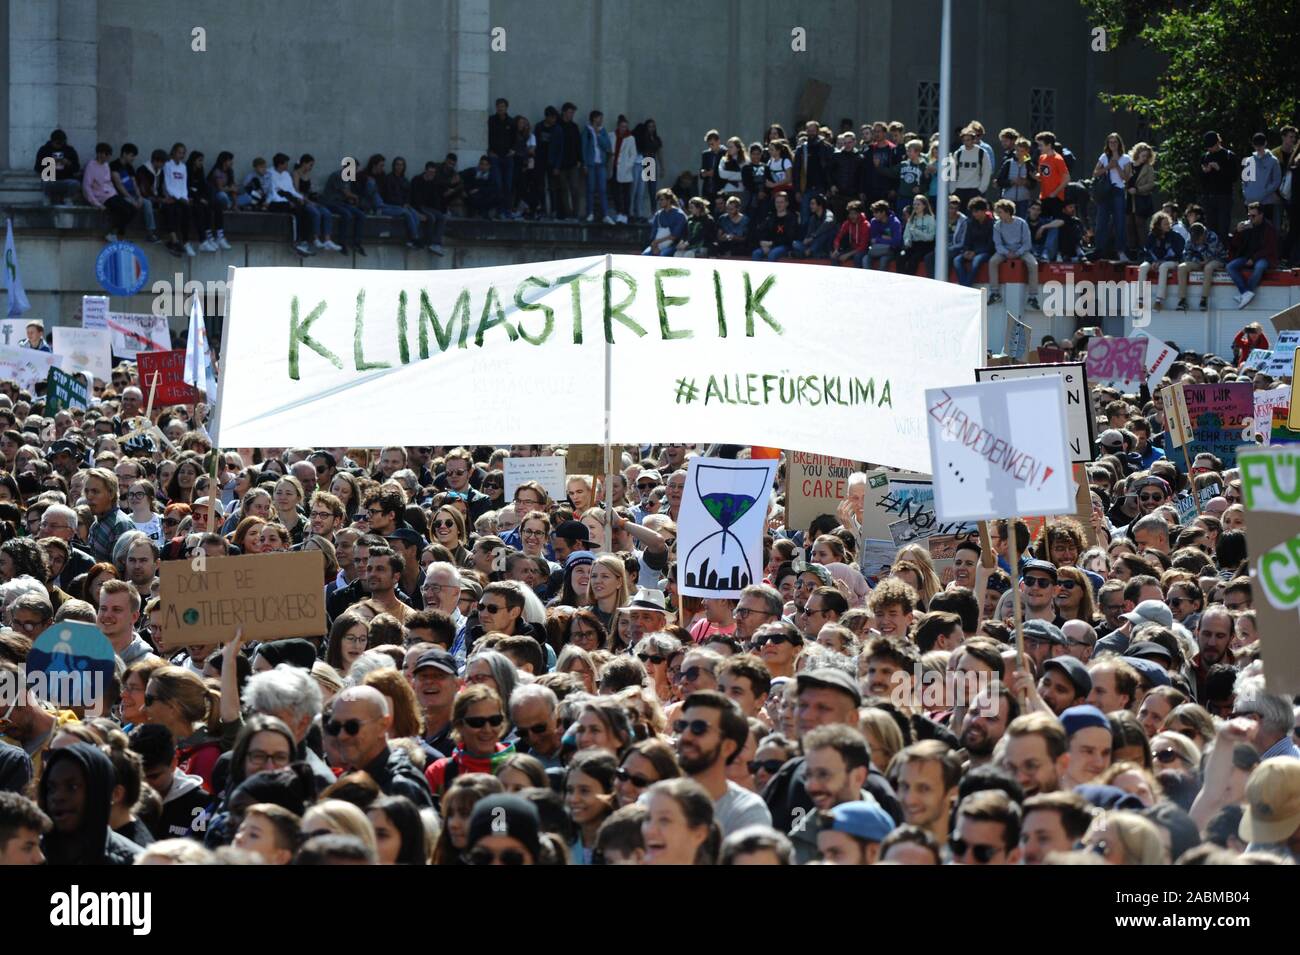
{"points": [[758, 604], [501, 610], [459, 474], [534, 712], [710, 733], [326, 466], [1038, 588], [987, 830], [356, 730]]}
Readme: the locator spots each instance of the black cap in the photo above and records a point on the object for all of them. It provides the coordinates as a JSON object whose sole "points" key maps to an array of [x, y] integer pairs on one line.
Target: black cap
{"points": [[1074, 671], [64, 446], [1149, 649], [573, 531], [404, 534], [1045, 566], [437, 657], [831, 678], [329, 458]]}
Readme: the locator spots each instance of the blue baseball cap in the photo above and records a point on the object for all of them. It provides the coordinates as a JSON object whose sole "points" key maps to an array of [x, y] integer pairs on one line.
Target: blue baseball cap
{"points": [[1081, 717], [862, 820]]}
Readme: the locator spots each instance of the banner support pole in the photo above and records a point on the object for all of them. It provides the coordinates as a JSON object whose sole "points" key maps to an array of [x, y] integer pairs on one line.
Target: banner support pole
{"points": [[1013, 551], [609, 456]]}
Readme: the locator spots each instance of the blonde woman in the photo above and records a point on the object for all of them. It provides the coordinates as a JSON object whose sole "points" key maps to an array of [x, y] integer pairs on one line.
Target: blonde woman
{"points": [[336, 817], [181, 701], [1139, 191], [607, 588], [883, 735], [916, 554], [1123, 837]]}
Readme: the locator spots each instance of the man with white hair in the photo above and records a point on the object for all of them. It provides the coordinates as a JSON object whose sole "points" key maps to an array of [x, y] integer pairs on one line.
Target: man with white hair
{"points": [[1273, 716], [356, 737], [441, 591], [291, 694]]}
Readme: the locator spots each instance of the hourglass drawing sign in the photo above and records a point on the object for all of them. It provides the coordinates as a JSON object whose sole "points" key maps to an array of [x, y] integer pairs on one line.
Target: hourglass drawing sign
{"points": [[718, 562]]}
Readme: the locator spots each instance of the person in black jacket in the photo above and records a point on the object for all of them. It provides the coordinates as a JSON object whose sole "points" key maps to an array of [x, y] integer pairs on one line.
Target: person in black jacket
{"points": [[356, 737], [67, 164], [779, 232], [76, 792], [812, 162], [1219, 172], [424, 199], [709, 162], [648, 146], [572, 171], [845, 175], [501, 153]]}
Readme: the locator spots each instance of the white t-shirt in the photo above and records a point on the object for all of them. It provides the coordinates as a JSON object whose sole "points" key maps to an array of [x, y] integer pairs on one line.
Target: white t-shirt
{"points": [[176, 180], [740, 808], [1118, 177], [153, 528]]}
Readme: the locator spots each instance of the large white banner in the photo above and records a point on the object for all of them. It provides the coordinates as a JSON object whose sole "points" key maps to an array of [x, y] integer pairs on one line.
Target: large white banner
{"points": [[720, 526], [830, 360], [999, 450], [27, 366]]}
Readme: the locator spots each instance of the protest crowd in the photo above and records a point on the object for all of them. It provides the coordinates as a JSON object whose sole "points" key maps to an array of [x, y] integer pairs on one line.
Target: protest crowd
{"points": [[508, 674]]}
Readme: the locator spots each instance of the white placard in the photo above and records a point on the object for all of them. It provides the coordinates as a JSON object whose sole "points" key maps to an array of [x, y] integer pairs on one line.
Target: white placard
{"points": [[736, 352], [86, 348], [1160, 358], [1078, 403], [27, 366], [13, 332], [720, 527], [547, 471], [94, 311], [998, 449], [134, 332]]}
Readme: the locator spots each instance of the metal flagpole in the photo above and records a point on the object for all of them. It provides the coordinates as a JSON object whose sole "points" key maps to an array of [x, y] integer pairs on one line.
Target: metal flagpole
{"points": [[609, 457], [945, 147]]}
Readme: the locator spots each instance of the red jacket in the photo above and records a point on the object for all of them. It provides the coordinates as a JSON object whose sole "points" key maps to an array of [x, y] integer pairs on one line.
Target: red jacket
{"points": [[1242, 346], [858, 234]]}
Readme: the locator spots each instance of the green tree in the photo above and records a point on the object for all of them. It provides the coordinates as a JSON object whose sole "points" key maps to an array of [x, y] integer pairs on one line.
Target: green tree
{"points": [[1232, 66]]}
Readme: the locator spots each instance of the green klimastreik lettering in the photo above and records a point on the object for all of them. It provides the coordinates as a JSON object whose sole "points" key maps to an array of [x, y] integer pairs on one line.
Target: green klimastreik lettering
{"points": [[613, 311], [429, 319], [358, 355], [575, 288], [524, 306], [754, 305], [403, 349], [486, 322], [717, 299], [300, 334], [663, 302]]}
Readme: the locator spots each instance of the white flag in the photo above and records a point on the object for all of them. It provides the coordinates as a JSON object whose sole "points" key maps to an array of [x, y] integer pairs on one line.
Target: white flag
{"points": [[198, 356]]}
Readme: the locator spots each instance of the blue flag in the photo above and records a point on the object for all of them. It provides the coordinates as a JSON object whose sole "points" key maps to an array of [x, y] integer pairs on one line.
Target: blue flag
{"points": [[13, 281]]}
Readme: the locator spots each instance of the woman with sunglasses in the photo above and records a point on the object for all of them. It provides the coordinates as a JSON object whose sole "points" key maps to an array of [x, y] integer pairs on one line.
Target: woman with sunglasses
{"points": [[645, 764], [1074, 601], [589, 796], [142, 499], [448, 526], [478, 721], [134, 682], [654, 651], [348, 639], [778, 644], [494, 486], [191, 709], [1171, 750], [1123, 837], [774, 751], [680, 828]]}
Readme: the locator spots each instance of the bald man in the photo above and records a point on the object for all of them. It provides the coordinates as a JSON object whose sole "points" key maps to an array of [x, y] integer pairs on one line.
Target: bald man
{"points": [[356, 737]]}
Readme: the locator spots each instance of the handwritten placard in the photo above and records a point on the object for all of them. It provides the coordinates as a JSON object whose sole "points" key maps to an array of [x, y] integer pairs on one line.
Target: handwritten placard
{"points": [[548, 471], [815, 484], [1221, 415], [1121, 361], [168, 369]]}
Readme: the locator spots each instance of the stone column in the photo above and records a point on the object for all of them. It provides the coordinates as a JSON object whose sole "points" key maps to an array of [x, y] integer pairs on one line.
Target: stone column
{"points": [[470, 96], [53, 66]]}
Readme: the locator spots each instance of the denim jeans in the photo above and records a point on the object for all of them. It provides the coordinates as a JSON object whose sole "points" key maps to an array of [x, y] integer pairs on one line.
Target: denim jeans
{"points": [[1049, 247], [401, 212], [596, 188], [348, 215], [244, 201], [667, 249], [1238, 265], [322, 221], [777, 253], [433, 228], [148, 214], [817, 249], [1109, 232], [966, 271], [503, 168]]}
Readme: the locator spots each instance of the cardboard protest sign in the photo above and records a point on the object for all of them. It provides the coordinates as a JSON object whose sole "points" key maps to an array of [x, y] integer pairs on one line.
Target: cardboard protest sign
{"points": [[94, 311], [1078, 402], [86, 348], [720, 528], [63, 390], [1281, 356], [271, 596], [721, 350], [135, 332], [999, 449], [906, 509], [1257, 358], [1272, 416], [814, 485], [1083, 503], [1119, 361], [547, 471], [168, 369], [1220, 415], [27, 366], [876, 558], [13, 332], [585, 459], [1179, 430], [1270, 489]]}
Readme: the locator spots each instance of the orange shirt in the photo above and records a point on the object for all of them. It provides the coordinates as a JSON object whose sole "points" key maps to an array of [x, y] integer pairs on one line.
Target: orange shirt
{"points": [[1052, 175]]}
